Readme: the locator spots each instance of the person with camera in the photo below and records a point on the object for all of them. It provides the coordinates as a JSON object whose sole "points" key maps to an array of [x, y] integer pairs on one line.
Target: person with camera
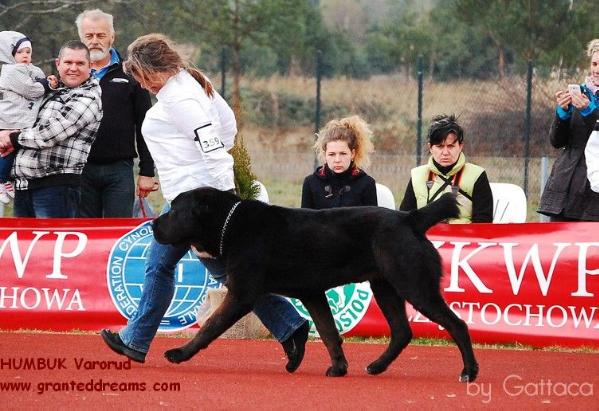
{"points": [[568, 195]]}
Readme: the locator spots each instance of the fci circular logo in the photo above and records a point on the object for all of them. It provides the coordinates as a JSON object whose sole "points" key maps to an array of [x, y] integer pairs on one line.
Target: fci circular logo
{"points": [[125, 277], [348, 305]]}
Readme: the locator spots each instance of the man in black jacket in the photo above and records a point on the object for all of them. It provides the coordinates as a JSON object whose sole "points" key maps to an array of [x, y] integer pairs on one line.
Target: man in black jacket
{"points": [[107, 185]]}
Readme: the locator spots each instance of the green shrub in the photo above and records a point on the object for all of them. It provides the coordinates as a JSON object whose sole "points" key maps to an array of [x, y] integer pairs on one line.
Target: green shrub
{"points": [[242, 169]]}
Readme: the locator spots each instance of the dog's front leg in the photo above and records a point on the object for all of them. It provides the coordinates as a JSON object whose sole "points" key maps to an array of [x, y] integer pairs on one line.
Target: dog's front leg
{"points": [[230, 311], [325, 324]]}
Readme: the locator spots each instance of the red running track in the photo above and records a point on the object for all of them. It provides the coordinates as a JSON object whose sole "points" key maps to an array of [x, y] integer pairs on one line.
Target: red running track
{"points": [[250, 374]]}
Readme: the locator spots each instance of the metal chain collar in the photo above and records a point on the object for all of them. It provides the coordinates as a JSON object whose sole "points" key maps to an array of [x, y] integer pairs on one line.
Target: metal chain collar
{"points": [[222, 233]]}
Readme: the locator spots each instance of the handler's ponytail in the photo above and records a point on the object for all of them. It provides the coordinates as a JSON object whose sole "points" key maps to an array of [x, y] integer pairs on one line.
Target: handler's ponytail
{"points": [[154, 54], [201, 78]]}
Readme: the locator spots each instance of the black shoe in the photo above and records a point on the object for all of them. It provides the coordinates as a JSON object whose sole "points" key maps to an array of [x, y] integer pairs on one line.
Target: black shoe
{"points": [[113, 340], [295, 346]]}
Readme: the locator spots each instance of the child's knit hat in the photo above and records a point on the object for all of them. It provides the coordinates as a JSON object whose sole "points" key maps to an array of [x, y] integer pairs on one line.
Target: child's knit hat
{"points": [[21, 44], [10, 43]]}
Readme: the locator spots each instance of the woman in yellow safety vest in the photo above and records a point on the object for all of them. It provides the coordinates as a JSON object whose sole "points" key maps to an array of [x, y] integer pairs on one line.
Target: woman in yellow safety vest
{"points": [[447, 170]]}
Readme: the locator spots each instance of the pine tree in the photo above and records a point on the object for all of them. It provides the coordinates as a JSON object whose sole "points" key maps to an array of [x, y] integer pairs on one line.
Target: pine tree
{"points": [[242, 168]]}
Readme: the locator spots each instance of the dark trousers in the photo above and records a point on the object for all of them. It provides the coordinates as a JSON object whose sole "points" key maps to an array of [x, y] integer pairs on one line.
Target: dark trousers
{"points": [[47, 202], [107, 190], [5, 166]]}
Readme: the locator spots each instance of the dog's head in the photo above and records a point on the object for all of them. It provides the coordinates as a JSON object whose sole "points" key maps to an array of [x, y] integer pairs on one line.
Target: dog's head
{"points": [[196, 218]]}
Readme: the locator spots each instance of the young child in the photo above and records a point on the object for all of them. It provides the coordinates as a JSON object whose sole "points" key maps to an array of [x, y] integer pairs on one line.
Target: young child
{"points": [[22, 86]]}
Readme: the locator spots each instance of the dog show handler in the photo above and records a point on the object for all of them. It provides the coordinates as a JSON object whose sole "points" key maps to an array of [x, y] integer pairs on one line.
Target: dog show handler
{"points": [[188, 132]]}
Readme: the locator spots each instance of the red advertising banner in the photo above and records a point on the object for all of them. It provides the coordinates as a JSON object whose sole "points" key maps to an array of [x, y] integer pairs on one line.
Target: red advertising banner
{"points": [[53, 273], [535, 283]]}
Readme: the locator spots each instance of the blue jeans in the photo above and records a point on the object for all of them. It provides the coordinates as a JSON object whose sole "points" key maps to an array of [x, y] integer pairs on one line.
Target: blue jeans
{"points": [[47, 202], [5, 166], [107, 190], [276, 313]]}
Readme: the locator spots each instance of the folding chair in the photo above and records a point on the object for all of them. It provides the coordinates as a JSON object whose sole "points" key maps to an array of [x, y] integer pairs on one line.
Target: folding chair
{"points": [[509, 203], [384, 196]]}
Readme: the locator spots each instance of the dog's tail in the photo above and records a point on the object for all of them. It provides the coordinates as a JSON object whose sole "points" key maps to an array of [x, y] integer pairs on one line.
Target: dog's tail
{"points": [[442, 209]]}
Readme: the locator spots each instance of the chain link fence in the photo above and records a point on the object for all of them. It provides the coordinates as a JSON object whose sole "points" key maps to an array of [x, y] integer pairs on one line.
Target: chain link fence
{"points": [[506, 123], [502, 134]]}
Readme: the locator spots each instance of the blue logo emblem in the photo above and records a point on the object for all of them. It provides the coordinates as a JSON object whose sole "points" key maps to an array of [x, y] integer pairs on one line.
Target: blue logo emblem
{"points": [[125, 276]]}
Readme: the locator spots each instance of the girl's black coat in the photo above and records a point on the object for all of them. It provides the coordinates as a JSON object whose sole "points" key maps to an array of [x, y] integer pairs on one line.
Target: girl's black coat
{"points": [[325, 189]]}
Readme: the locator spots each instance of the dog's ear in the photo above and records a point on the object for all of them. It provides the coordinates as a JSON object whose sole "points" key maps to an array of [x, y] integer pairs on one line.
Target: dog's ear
{"points": [[179, 197]]}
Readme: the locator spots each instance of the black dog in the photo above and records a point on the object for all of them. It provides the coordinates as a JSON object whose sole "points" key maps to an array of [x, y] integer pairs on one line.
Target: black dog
{"points": [[301, 253]]}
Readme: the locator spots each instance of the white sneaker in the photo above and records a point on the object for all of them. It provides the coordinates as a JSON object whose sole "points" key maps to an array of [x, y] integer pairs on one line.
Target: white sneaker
{"points": [[4, 198], [10, 190]]}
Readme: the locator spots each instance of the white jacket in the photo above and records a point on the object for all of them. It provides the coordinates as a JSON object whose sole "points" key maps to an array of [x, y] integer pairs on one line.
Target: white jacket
{"points": [[591, 154], [20, 93], [189, 135]]}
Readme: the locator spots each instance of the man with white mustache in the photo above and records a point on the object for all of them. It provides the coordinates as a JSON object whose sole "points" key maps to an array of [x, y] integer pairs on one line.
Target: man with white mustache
{"points": [[107, 185]]}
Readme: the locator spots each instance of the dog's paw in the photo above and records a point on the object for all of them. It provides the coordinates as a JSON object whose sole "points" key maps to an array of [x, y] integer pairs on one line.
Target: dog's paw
{"points": [[469, 375], [375, 368], [176, 355], [336, 371]]}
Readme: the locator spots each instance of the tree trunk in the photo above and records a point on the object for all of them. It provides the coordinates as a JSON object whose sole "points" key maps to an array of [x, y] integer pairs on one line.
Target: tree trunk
{"points": [[236, 88], [431, 66], [236, 51], [500, 54], [501, 62]]}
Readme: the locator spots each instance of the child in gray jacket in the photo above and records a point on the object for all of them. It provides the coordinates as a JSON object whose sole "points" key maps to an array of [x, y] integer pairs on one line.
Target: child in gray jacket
{"points": [[22, 86]]}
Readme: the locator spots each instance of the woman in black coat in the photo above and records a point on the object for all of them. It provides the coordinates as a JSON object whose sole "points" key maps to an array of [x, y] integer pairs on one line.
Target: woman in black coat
{"points": [[343, 145], [567, 195]]}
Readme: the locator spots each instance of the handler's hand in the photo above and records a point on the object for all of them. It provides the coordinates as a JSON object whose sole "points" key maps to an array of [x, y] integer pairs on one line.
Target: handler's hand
{"points": [[145, 185], [6, 146], [563, 99]]}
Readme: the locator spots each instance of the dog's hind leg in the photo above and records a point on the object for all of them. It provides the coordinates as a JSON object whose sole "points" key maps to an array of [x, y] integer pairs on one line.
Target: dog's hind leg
{"points": [[394, 309], [325, 324], [225, 316], [437, 310]]}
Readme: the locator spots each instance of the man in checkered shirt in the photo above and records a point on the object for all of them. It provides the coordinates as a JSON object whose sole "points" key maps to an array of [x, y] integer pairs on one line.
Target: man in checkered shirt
{"points": [[52, 153]]}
